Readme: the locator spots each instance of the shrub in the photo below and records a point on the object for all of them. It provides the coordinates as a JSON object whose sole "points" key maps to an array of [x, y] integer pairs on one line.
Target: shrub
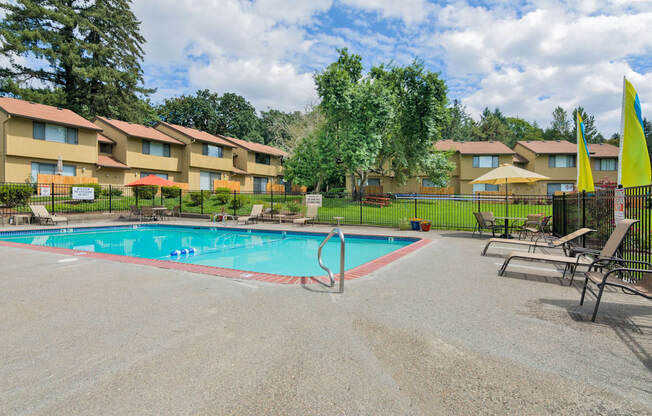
{"points": [[146, 191], [197, 197], [170, 191], [223, 195], [293, 206], [97, 188], [237, 202], [14, 195], [114, 192]]}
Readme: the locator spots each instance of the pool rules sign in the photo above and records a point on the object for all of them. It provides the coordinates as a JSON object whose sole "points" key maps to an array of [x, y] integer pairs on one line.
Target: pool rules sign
{"points": [[619, 204], [83, 193]]}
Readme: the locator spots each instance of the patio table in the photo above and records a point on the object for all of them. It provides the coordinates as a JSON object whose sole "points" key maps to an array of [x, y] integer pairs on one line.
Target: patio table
{"points": [[506, 234]]}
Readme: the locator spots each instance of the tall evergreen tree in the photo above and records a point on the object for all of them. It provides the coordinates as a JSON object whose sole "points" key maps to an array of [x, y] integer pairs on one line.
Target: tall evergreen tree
{"points": [[590, 131], [84, 55], [560, 126], [460, 123]]}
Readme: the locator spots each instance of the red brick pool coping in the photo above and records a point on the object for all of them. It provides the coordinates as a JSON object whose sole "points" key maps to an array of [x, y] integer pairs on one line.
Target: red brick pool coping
{"points": [[356, 272]]}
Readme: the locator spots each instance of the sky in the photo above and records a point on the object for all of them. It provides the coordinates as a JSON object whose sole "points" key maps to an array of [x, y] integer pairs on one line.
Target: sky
{"points": [[525, 57]]}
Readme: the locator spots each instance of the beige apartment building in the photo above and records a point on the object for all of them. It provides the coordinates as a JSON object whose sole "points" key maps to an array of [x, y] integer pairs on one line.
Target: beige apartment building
{"points": [[34, 137], [256, 165], [144, 150]]}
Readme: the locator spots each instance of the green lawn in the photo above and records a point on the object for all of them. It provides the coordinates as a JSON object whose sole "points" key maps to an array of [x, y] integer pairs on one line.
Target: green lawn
{"points": [[444, 214]]}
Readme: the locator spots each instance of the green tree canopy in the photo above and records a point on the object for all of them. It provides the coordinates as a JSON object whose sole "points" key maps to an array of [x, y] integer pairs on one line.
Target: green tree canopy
{"points": [[82, 55]]}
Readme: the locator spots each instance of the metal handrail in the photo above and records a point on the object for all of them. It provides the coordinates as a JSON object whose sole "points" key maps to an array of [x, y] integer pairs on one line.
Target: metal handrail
{"points": [[342, 256]]}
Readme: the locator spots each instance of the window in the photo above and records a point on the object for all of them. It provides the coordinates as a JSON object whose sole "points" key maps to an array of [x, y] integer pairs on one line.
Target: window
{"points": [[262, 159], [484, 187], [160, 175], [106, 148], [156, 148], [373, 182], [206, 180], [212, 150], [485, 161], [260, 185], [606, 164], [561, 161], [427, 183], [51, 169], [560, 187], [54, 133]]}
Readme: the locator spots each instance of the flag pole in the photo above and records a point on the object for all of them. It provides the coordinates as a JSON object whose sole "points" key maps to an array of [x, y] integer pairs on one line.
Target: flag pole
{"points": [[622, 136]]}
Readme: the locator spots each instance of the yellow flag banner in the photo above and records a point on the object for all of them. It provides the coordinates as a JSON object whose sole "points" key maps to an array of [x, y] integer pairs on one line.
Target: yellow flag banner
{"points": [[584, 174], [634, 161]]}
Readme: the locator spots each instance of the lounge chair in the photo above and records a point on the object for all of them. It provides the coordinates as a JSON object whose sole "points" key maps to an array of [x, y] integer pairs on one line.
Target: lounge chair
{"points": [[563, 242], [44, 217], [486, 221], [571, 263], [616, 278], [256, 211], [311, 214]]}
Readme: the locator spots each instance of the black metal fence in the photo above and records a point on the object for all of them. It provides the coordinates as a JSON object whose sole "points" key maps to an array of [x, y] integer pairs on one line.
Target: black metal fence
{"points": [[596, 211], [443, 211]]}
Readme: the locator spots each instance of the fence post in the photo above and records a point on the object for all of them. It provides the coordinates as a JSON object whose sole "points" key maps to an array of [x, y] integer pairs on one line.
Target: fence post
{"points": [[285, 194], [271, 192], [563, 213], [234, 203], [161, 190], [180, 200], [201, 199], [52, 198], [584, 216], [415, 206], [110, 198], [361, 204], [135, 191]]}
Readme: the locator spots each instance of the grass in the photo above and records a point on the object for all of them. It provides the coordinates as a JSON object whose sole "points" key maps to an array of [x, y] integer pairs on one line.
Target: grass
{"points": [[443, 214]]}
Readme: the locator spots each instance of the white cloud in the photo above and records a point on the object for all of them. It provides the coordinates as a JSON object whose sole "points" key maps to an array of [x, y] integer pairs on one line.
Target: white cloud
{"points": [[410, 11]]}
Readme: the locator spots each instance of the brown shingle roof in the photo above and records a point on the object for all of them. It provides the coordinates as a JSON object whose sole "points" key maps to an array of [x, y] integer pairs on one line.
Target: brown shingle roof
{"points": [[603, 150], [198, 135], [103, 139], [474, 148], [238, 171], [40, 112], [109, 162], [256, 147], [140, 131], [550, 147]]}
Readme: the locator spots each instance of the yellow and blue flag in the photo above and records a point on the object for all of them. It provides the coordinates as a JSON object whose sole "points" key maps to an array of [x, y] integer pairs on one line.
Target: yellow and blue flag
{"points": [[634, 161], [584, 174]]}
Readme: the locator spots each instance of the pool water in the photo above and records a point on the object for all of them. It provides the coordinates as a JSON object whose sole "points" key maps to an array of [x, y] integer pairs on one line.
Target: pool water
{"points": [[277, 252]]}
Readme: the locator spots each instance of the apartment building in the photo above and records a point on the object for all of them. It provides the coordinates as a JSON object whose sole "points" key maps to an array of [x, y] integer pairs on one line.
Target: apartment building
{"points": [[256, 165], [34, 137], [143, 150], [207, 158]]}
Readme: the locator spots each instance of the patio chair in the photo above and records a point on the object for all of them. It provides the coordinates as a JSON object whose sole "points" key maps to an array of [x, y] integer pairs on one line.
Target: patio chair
{"points": [[619, 277], [562, 242], [571, 263], [174, 212], [311, 214], [256, 211], [486, 221], [134, 211], [147, 213], [42, 215], [531, 225]]}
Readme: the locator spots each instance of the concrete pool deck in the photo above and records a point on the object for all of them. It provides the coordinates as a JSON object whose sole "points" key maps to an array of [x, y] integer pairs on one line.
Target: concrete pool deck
{"points": [[435, 332]]}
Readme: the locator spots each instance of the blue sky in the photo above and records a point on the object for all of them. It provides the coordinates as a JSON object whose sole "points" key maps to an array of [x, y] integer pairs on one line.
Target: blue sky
{"points": [[525, 57]]}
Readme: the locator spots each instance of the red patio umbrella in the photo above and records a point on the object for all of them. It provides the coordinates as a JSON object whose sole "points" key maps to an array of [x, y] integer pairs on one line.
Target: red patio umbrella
{"points": [[152, 180]]}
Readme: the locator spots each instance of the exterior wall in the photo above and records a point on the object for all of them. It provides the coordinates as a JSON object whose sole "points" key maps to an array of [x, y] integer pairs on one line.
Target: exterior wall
{"points": [[3, 141], [19, 169], [601, 175], [273, 169], [111, 176]]}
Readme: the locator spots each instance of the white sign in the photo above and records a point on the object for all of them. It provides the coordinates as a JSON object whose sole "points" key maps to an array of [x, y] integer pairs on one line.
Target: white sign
{"points": [[45, 191], [619, 204], [313, 199], [84, 193]]}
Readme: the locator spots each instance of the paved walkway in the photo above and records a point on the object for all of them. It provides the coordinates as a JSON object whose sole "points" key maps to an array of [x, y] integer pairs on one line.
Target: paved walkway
{"points": [[436, 332]]}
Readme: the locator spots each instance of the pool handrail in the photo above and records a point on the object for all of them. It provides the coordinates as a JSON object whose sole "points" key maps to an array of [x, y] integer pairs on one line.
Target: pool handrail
{"points": [[342, 256]]}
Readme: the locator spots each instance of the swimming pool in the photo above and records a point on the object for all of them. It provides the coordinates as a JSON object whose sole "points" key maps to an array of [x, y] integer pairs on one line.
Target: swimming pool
{"points": [[287, 253]]}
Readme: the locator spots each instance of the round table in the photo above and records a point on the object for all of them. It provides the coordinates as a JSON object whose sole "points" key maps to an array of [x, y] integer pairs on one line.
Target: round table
{"points": [[338, 219]]}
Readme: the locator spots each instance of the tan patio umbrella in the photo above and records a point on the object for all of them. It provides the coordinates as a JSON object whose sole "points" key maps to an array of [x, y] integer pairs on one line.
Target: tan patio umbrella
{"points": [[506, 174]]}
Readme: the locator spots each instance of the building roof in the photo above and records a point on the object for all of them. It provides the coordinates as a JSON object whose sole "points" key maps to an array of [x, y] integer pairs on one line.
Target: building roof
{"points": [[198, 135], [518, 159], [474, 148], [238, 171], [549, 147], [109, 162], [139, 131], [46, 113], [603, 150], [103, 139], [256, 147]]}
